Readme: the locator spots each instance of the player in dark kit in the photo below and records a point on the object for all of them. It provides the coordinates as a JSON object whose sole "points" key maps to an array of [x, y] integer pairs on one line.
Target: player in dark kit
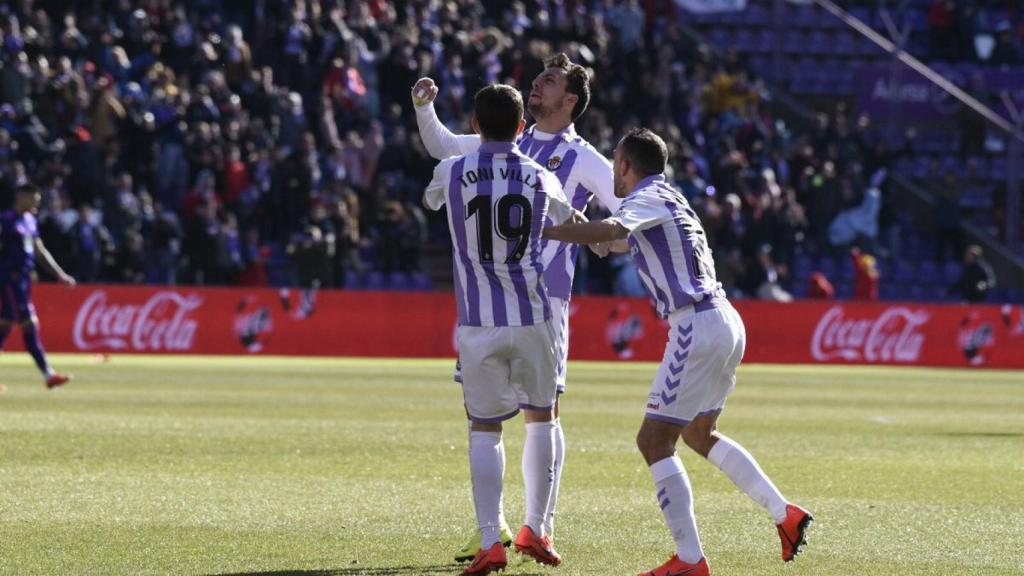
{"points": [[19, 247]]}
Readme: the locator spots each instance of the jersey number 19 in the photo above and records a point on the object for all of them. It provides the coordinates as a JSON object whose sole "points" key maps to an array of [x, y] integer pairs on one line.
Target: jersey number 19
{"points": [[510, 220]]}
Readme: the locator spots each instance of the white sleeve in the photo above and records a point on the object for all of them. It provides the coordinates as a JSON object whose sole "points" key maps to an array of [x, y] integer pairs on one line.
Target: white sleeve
{"points": [[434, 195], [559, 209], [439, 141], [640, 212], [598, 177]]}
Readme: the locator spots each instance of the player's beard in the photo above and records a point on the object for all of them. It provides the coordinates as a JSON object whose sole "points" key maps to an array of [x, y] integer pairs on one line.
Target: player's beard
{"points": [[538, 110], [620, 187]]}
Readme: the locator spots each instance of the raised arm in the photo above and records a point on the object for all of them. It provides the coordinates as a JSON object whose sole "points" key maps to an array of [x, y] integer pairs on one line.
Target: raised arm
{"points": [[597, 176], [44, 255], [439, 141]]}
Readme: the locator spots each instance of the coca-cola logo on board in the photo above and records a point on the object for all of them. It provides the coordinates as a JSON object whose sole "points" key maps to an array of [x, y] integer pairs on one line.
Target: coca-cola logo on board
{"points": [[161, 324], [892, 336]]}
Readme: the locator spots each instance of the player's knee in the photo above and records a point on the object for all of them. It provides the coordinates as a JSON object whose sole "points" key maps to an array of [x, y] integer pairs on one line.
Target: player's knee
{"points": [[698, 438], [481, 427], [653, 447]]}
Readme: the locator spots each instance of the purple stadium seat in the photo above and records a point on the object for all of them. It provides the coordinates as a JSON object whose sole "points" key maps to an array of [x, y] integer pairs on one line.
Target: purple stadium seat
{"points": [[928, 274], [827, 266], [421, 282], [888, 291], [398, 281], [756, 15], [917, 292], [951, 272], [374, 281], [844, 290], [353, 282], [862, 14], [937, 293], [905, 272], [803, 17]]}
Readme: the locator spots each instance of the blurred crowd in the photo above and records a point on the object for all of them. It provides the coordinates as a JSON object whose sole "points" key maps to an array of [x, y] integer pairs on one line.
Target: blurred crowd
{"points": [[273, 141], [985, 31]]}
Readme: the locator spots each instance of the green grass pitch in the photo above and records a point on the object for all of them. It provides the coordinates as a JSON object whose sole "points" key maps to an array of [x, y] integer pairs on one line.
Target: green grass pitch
{"points": [[187, 465]]}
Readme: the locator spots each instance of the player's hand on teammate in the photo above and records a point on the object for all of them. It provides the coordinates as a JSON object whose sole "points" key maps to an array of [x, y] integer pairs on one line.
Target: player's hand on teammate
{"points": [[424, 92], [578, 218], [601, 249]]}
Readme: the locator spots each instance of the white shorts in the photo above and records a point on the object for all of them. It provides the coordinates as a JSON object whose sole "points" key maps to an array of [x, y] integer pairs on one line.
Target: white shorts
{"points": [[698, 371], [560, 318], [507, 368]]}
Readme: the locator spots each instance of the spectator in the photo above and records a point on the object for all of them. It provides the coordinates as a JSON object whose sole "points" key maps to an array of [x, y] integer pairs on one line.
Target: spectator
{"points": [[402, 233], [865, 276], [976, 279], [819, 288]]}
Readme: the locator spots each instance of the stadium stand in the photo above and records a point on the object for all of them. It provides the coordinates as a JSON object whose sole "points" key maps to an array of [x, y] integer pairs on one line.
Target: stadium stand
{"points": [[273, 142]]}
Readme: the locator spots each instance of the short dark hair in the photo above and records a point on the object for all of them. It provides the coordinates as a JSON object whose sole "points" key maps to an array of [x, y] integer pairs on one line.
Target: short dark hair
{"points": [[645, 151], [498, 109], [28, 188], [577, 81]]}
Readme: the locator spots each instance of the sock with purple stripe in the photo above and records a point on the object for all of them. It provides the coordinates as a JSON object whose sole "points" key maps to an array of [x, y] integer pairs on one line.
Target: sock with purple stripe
{"points": [[676, 500]]}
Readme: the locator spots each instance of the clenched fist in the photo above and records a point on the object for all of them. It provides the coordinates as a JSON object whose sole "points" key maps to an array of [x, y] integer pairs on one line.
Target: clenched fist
{"points": [[424, 92]]}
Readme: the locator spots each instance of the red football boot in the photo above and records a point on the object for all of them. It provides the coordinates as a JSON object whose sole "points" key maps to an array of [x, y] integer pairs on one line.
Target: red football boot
{"points": [[540, 549], [487, 561], [57, 380], [676, 567], [792, 529]]}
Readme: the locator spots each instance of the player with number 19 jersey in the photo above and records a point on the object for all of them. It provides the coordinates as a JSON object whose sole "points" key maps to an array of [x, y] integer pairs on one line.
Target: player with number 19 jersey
{"points": [[583, 173], [498, 201]]}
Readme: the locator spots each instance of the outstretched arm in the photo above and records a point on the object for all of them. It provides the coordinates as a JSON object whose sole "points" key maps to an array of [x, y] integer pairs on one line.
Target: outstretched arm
{"points": [[439, 141], [43, 254], [587, 232]]}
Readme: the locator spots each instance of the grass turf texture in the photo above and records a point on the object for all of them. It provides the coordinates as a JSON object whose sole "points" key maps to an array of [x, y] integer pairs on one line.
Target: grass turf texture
{"points": [[185, 465]]}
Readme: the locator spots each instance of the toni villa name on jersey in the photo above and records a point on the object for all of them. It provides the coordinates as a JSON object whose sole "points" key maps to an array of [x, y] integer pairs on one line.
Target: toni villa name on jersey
{"points": [[486, 173]]}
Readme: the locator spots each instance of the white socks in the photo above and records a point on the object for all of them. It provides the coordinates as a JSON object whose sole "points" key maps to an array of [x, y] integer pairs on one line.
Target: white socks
{"points": [[549, 517], [744, 472], [538, 472], [487, 470], [676, 500]]}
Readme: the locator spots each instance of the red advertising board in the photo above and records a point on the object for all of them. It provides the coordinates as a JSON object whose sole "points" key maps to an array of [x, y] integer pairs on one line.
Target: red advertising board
{"points": [[131, 319]]}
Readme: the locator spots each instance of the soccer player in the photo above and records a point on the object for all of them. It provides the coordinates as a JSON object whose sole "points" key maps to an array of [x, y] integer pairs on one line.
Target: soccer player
{"points": [[558, 96], [706, 340], [498, 200], [20, 246]]}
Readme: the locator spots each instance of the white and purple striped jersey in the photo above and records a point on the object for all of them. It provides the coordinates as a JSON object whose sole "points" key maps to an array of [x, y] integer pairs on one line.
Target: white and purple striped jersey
{"points": [[668, 245], [498, 201], [583, 171]]}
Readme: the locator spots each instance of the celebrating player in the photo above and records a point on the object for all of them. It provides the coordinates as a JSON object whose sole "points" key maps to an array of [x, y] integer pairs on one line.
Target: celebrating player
{"points": [[498, 200], [19, 247], [706, 340], [558, 96]]}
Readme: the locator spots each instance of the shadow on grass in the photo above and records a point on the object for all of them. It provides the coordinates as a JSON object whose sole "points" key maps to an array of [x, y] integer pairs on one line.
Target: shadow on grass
{"points": [[358, 571], [983, 434]]}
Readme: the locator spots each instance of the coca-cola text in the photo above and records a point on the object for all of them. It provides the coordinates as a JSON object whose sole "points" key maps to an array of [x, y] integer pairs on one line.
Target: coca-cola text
{"points": [[161, 324], [892, 336]]}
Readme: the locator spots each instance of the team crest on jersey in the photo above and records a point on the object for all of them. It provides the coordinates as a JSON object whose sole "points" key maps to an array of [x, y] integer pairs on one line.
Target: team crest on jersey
{"points": [[554, 163]]}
